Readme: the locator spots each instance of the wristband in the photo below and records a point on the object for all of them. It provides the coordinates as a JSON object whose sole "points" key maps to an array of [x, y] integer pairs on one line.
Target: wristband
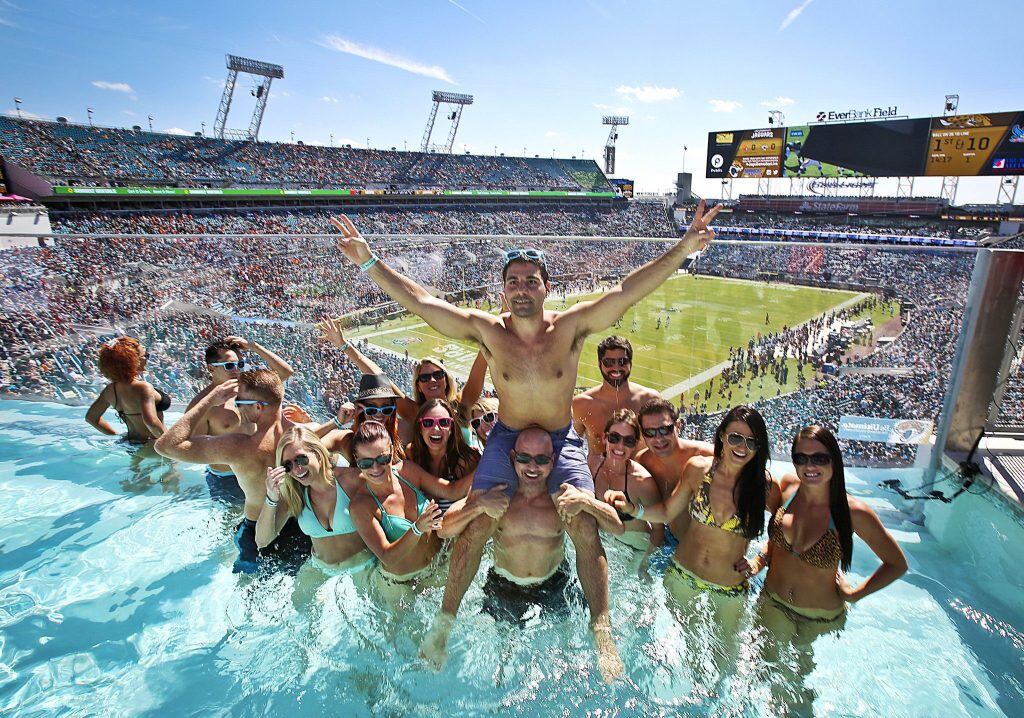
{"points": [[416, 531], [270, 502], [640, 512], [345, 346], [365, 266], [337, 423]]}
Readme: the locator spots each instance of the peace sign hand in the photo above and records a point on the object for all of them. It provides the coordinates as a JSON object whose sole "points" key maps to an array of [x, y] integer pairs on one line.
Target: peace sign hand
{"points": [[351, 243], [700, 234], [332, 331]]}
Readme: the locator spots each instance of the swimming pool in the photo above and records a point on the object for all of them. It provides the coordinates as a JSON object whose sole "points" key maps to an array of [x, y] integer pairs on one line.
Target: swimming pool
{"points": [[117, 598]]}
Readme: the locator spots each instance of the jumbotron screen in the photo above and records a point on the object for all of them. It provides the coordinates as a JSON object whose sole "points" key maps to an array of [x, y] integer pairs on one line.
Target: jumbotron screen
{"points": [[959, 145], [3, 179]]}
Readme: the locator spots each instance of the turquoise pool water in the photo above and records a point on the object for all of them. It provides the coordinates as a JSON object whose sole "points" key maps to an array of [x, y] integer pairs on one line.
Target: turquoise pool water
{"points": [[117, 598]]}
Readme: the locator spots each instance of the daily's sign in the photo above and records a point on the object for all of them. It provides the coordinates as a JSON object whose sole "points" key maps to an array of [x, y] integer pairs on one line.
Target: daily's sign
{"points": [[889, 431]]}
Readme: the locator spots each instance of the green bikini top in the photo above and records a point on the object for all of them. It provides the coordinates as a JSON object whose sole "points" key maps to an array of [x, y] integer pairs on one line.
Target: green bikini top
{"points": [[396, 526]]}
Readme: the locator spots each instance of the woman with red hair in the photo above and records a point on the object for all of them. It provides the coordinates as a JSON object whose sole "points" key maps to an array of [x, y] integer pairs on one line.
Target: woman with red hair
{"points": [[138, 404]]}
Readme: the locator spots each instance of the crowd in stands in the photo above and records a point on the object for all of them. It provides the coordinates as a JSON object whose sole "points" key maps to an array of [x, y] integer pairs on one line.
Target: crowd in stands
{"points": [[920, 227], [81, 154], [175, 293]]}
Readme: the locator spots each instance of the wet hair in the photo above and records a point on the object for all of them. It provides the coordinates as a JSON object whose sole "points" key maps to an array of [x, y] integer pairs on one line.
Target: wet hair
{"points": [[291, 490], [838, 502], [220, 347], [749, 492], [451, 389], [459, 457], [535, 262], [623, 416], [370, 431], [657, 406], [263, 383], [121, 359], [615, 342]]}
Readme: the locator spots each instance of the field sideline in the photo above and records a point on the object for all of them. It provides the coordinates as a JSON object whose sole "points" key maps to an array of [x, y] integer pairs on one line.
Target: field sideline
{"points": [[701, 318]]}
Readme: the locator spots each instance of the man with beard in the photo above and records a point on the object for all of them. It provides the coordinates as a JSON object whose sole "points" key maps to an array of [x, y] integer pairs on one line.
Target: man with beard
{"points": [[533, 355], [592, 409], [666, 453]]}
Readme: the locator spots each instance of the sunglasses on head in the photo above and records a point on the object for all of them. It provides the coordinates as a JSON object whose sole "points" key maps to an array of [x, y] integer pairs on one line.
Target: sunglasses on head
{"points": [[229, 365], [485, 418], [617, 438], [735, 439], [378, 410], [818, 459], [539, 459], [659, 431], [609, 362], [367, 463], [431, 375], [428, 422], [299, 460], [251, 402], [534, 255]]}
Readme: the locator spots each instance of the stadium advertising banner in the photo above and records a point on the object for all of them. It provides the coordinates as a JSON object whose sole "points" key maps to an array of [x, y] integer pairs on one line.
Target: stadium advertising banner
{"points": [[961, 145], [241, 192], [888, 431]]}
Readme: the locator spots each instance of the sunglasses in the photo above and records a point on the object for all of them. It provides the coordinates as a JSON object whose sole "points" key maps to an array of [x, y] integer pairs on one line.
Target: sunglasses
{"points": [[735, 439], [534, 255], [229, 365], [251, 402], [427, 422], [486, 418], [621, 361], [367, 463], [299, 460], [378, 410], [433, 375], [616, 438], [818, 459], [659, 431], [539, 459]]}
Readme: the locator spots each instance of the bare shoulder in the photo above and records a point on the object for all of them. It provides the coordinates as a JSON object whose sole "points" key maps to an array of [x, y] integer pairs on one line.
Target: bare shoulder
{"points": [[788, 481], [638, 471], [643, 394], [697, 466], [860, 511]]}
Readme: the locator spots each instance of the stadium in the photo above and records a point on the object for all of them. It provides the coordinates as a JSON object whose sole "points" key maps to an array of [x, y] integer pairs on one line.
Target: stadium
{"points": [[824, 303]]}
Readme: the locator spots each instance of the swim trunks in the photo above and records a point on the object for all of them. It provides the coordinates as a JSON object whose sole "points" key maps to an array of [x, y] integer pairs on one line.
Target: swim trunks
{"points": [[570, 456], [287, 552], [224, 487], [508, 601]]}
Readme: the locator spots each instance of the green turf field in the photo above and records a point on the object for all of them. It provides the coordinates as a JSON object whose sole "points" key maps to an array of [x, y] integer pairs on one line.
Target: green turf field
{"points": [[705, 316]]}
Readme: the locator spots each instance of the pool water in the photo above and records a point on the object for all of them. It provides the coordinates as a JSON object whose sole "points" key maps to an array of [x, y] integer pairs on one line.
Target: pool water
{"points": [[117, 597]]}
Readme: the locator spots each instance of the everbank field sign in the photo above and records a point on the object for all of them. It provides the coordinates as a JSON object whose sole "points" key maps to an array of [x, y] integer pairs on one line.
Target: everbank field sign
{"points": [[871, 113]]}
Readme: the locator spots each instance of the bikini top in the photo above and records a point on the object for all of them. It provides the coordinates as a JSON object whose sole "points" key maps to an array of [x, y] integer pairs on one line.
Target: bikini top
{"points": [[341, 522], [396, 526], [623, 517], [163, 404], [826, 552], [700, 508]]}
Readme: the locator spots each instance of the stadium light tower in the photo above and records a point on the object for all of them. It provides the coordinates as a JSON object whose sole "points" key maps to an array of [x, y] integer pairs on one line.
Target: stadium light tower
{"points": [[776, 118], [17, 106], [445, 98], [609, 146], [949, 184], [88, 111], [268, 72]]}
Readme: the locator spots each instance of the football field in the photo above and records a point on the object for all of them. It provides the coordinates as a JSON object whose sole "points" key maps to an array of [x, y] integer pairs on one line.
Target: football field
{"points": [[680, 333]]}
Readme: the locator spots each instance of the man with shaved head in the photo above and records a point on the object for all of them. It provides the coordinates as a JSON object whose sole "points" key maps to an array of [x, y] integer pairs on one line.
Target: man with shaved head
{"points": [[530, 572]]}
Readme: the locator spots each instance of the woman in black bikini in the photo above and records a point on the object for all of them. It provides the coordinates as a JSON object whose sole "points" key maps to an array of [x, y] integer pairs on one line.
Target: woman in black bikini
{"points": [[137, 403]]}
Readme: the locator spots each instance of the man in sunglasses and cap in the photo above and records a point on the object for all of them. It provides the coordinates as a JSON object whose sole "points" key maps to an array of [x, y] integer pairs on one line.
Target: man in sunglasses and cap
{"points": [[224, 362], [258, 397], [593, 408], [533, 355]]}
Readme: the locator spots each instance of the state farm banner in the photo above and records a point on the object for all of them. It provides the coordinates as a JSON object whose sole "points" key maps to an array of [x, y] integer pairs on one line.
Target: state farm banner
{"points": [[888, 431]]}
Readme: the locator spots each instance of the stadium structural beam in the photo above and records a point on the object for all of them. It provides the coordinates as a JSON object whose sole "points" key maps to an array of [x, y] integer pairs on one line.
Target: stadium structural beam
{"points": [[949, 184], [613, 135], [904, 187], [764, 187], [1007, 193], [439, 98], [235, 64], [727, 188]]}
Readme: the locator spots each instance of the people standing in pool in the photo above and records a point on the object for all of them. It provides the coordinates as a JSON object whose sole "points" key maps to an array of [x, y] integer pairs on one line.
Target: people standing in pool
{"points": [[482, 417], [138, 404], [224, 361], [376, 400], [615, 471], [305, 486], [530, 571], [258, 396], [438, 448]]}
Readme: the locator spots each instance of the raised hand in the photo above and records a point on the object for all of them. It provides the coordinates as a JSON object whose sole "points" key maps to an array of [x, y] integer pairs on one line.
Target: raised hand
{"points": [[699, 234], [430, 519], [351, 243], [332, 331], [296, 414], [242, 344], [347, 412], [275, 477], [223, 393]]}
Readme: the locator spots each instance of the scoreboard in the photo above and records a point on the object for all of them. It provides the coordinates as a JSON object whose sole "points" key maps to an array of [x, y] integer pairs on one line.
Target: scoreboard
{"points": [[3, 178], [961, 145]]}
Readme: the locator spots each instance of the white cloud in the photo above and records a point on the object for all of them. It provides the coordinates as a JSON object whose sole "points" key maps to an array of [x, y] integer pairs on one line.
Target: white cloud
{"points": [[468, 12], [328, 98], [649, 93], [177, 131], [794, 14], [27, 115], [114, 86], [385, 57], [129, 113], [551, 133], [724, 105], [780, 101], [285, 93]]}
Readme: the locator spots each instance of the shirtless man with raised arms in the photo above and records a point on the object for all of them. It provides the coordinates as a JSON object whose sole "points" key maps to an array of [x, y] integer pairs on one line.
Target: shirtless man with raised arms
{"points": [[593, 408], [533, 355]]}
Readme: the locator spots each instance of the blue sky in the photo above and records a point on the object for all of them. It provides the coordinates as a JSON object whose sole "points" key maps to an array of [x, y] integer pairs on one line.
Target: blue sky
{"points": [[542, 73]]}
